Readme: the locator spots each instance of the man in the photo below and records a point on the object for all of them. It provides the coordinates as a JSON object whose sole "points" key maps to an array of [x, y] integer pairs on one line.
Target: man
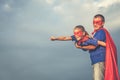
{"points": [[104, 59]]}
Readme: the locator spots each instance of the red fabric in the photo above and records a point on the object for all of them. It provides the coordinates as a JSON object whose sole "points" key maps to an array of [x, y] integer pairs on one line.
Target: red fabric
{"points": [[85, 38], [111, 67]]}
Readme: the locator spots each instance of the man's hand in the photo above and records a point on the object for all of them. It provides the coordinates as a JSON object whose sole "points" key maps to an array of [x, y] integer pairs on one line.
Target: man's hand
{"points": [[77, 46]]}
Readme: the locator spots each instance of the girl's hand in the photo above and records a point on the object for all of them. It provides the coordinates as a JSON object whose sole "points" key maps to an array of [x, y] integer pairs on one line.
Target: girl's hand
{"points": [[52, 38]]}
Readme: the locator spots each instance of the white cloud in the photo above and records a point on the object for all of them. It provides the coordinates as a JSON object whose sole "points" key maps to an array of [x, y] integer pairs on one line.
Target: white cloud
{"points": [[7, 7], [59, 9], [107, 3], [50, 1], [76, 11]]}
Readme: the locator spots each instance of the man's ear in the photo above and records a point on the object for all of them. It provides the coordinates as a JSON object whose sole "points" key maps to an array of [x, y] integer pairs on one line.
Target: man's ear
{"points": [[103, 23]]}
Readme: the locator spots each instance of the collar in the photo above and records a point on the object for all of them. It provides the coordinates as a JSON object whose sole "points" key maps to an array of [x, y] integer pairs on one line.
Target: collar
{"points": [[96, 31]]}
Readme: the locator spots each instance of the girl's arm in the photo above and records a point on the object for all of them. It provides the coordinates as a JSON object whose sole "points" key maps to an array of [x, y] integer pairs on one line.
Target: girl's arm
{"points": [[61, 38]]}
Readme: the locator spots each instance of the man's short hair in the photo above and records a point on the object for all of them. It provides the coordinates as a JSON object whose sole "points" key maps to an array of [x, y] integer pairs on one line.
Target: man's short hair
{"points": [[100, 15]]}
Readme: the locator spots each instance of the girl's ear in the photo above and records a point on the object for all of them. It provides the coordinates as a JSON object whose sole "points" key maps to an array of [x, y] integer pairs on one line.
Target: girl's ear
{"points": [[83, 33]]}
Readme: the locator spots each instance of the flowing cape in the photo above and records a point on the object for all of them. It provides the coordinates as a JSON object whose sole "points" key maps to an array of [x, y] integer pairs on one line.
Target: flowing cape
{"points": [[111, 66]]}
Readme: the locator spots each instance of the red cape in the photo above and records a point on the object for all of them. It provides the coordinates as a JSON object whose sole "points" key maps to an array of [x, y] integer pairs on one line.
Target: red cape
{"points": [[111, 67]]}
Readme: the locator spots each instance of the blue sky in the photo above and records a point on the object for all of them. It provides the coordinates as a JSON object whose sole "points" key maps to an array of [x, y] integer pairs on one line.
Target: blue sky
{"points": [[26, 53]]}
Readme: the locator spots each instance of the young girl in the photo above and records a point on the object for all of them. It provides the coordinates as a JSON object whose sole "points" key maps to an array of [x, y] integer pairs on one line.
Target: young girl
{"points": [[81, 38]]}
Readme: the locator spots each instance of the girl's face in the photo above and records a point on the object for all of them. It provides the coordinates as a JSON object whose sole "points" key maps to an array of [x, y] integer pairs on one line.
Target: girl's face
{"points": [[78, 33]]}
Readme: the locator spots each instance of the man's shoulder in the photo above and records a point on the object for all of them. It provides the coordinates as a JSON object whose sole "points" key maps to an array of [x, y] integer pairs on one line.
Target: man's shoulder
{"points": [[101, 31], [100, 35]]}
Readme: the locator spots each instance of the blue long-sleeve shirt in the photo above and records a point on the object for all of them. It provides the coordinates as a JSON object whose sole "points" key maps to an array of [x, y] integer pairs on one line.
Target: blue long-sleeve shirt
{"points": [[98, 54]]}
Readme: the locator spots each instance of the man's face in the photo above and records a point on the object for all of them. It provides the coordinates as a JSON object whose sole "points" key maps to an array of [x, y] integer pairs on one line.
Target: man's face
{"points": [[78, 33], [98, 23]]}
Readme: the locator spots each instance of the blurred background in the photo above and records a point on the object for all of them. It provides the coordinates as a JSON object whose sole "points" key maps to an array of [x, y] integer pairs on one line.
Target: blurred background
{"points": [[26, 52]]}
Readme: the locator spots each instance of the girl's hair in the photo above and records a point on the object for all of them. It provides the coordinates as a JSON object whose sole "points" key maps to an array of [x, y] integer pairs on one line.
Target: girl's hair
{"points": [[81, 28]]}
